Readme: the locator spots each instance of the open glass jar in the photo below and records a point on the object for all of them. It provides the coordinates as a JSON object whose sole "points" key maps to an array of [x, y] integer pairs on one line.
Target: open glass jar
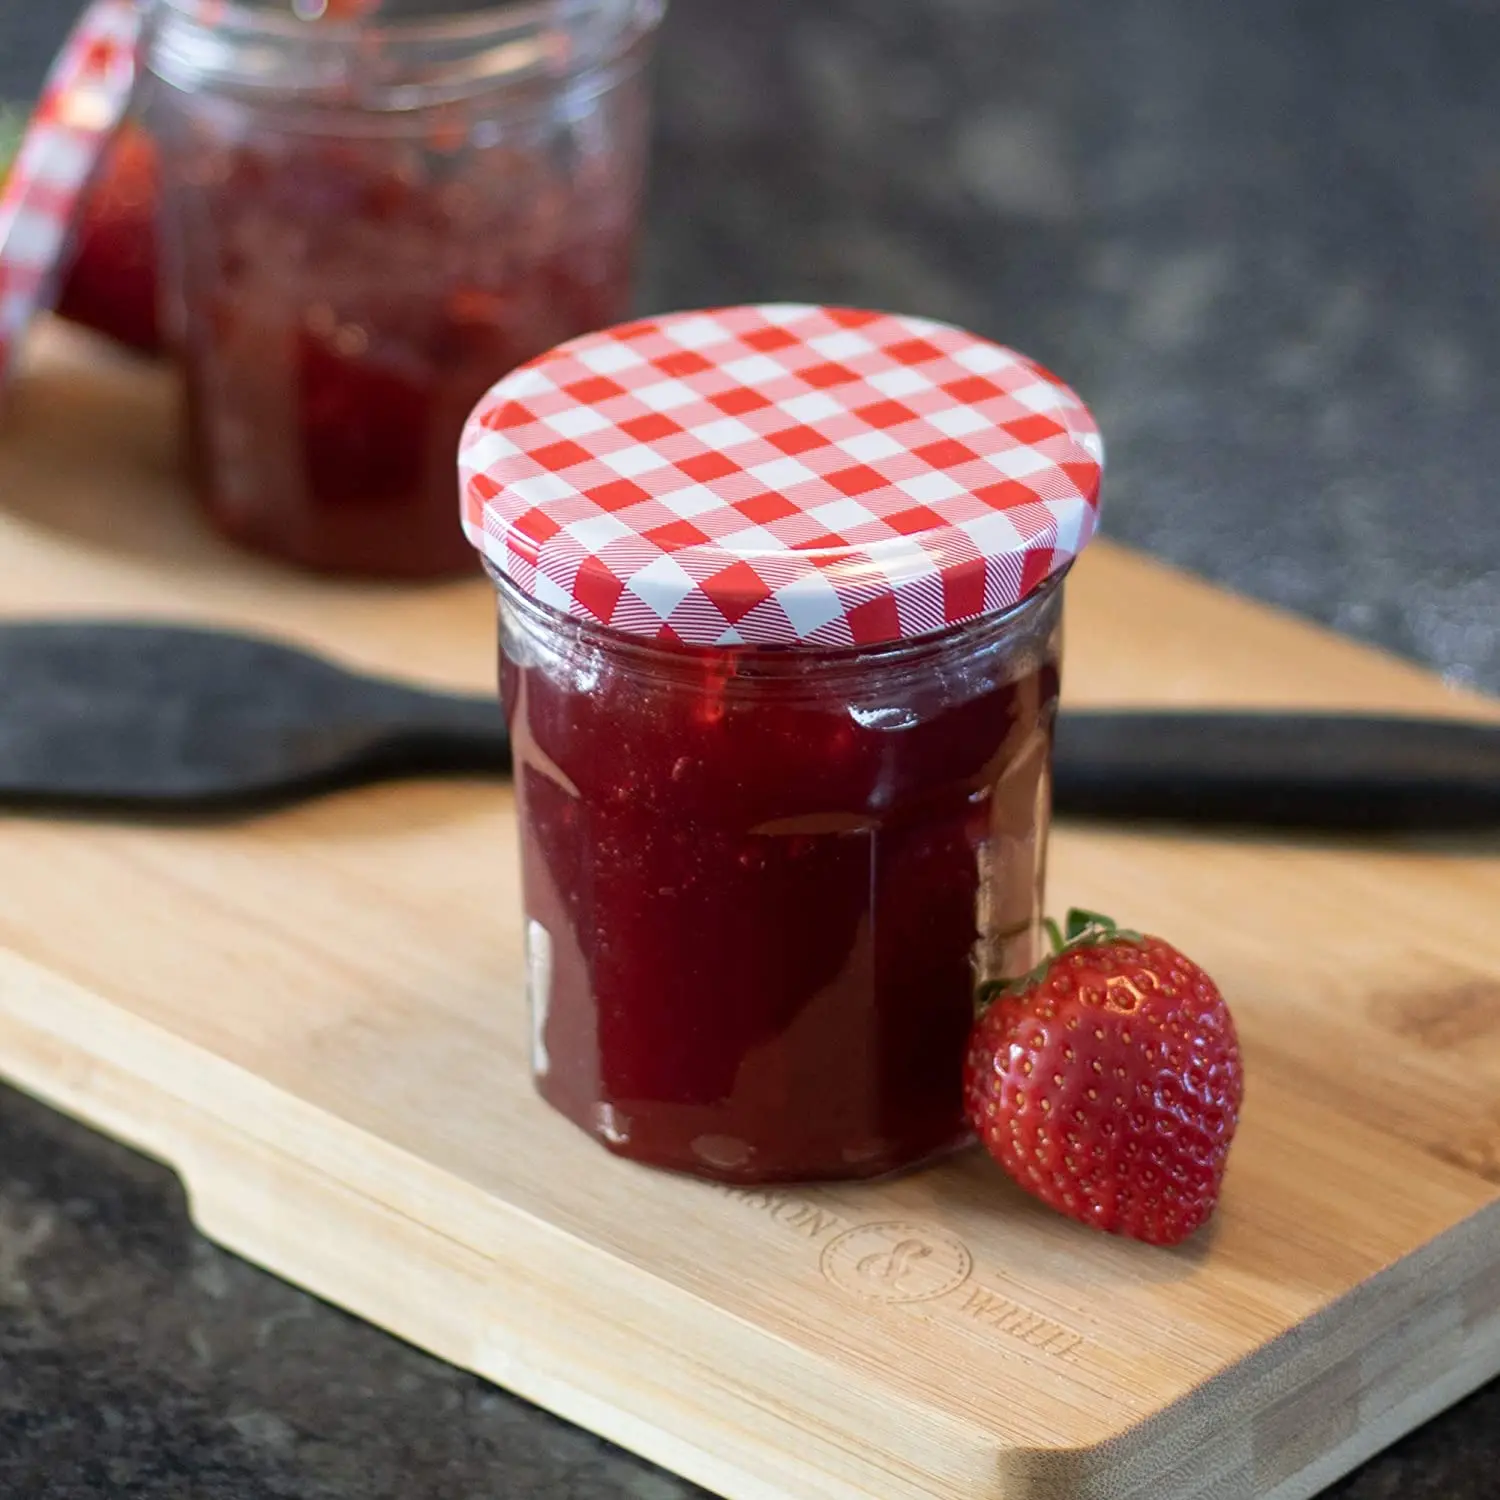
{"points": [[780, 593], [364, 223]]}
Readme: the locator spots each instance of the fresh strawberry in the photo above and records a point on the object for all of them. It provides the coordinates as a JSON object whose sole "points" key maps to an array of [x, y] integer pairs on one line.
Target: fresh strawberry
{"points": [[1108, 1082], [109, 283]]}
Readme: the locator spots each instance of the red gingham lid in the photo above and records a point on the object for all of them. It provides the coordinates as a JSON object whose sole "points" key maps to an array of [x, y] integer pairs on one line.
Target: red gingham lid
{"points": [[779, 475], [82, 104]]}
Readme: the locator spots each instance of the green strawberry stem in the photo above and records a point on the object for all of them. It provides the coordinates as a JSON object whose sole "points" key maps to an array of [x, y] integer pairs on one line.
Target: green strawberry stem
{"points": [[1082, 923], [1082, 929]]}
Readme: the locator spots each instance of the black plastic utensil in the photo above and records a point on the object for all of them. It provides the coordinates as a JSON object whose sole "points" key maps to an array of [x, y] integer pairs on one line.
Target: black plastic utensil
{"points": [[121, 716], [165, 717], [1280, 770]]}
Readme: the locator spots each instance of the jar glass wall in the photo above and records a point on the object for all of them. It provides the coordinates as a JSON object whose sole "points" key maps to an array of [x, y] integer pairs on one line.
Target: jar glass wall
{"points": [[364, 225], [761, 884]]}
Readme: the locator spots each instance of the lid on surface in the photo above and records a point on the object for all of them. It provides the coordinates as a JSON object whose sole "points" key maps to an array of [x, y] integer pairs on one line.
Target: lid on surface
{"points": [[779, 475], [81, 107]]}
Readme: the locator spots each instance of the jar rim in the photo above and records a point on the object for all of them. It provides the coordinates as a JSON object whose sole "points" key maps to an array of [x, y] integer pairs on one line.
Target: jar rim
{"points": [[228, 16], [243, 45]]}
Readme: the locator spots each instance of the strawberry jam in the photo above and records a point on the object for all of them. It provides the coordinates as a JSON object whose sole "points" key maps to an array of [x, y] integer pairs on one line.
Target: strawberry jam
{"points": [[779, 596], [338, 324], [365, 224], [760, 885]]}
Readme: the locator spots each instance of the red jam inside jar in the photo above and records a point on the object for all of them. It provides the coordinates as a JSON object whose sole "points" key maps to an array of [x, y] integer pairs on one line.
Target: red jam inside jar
{"points": [[361, 238], [760, 885]]}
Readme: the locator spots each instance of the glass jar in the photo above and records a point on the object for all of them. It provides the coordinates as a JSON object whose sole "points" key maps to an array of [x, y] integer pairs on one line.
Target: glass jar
{"points": [[366, 223], [779, 597], [760, 886]]}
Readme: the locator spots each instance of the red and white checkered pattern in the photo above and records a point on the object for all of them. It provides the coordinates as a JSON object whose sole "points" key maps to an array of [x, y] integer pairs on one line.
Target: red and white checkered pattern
{"points": [[780, 475], [82, 104]]}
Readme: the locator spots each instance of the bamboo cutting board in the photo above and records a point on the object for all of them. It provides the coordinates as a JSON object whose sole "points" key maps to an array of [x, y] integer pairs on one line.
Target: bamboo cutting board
{"points": [[316, 1017]]}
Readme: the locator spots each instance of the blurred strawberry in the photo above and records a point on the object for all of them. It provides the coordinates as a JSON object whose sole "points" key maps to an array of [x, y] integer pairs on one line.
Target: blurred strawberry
{"points": [[109, 282]]}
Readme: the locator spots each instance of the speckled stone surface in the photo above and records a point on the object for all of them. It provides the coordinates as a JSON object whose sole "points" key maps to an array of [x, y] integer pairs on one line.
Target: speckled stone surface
{"points": [[1261, 236]]}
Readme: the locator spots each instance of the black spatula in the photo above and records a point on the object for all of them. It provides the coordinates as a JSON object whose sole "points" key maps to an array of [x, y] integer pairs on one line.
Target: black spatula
{"points": [[166, 717], [104, 715]]}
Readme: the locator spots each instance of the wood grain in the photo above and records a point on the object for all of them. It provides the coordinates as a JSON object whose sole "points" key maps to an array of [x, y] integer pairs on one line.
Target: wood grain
{"points": [[316, 1017]]}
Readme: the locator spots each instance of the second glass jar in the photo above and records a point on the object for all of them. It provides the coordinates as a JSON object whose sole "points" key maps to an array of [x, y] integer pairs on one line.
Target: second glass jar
{"points": [[364, 225]]}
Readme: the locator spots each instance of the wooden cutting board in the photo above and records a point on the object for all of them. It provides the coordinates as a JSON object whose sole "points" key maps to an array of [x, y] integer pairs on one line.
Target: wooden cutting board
{"points": [[316, 1017]]}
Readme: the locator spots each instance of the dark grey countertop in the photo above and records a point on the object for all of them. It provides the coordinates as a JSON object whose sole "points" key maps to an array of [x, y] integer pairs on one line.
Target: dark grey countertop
{"points": [[1261, 236]]}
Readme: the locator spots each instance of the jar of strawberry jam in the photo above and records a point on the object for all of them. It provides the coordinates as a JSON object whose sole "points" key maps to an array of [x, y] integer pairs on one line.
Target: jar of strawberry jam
{"points": [[370, 213], [779, 593]]}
